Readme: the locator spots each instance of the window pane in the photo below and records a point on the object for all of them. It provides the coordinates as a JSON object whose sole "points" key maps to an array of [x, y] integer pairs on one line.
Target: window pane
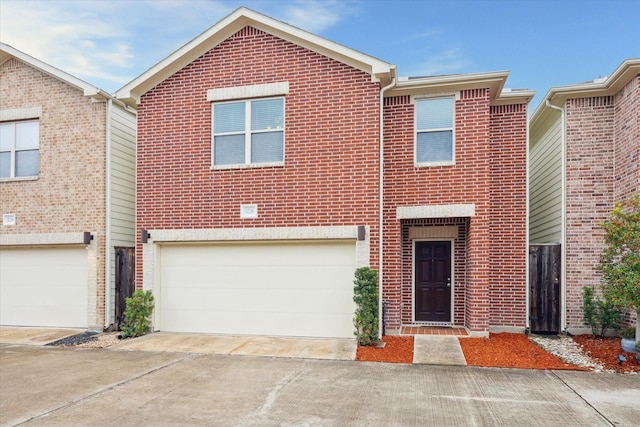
{"points": [[434, 113], [267, 114], [228, 150], [27, 163], [5, 165], [6, 135], [228, 117], [434, 147], [27, 135], [267, 147]]}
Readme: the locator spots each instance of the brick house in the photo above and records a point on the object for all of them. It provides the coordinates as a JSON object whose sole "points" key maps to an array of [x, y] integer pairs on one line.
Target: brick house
{"points": [[272, 163], [67, 159], [585, 157]]}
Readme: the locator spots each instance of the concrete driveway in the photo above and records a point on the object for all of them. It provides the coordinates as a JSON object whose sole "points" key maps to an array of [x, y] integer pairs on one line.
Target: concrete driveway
{"points": [[104, 387]]}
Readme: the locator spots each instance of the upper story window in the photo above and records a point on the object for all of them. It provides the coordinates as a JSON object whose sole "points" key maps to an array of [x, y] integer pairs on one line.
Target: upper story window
{"points": [[19, 149], [435, 136], [248, 132]]}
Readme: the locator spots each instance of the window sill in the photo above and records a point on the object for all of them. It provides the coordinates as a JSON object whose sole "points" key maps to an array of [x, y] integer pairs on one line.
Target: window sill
{"points": [[432, 164], [20, 178], [248, 166]]}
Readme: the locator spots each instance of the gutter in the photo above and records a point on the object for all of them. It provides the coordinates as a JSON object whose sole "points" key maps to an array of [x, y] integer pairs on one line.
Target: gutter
{"points": [[563, 234], [381, 203], [107, 252]]}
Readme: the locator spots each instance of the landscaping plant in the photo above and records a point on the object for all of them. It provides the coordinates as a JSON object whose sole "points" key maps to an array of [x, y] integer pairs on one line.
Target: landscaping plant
{"points": [[137, 314], [365, 291], [620, 260], [600, 314]]}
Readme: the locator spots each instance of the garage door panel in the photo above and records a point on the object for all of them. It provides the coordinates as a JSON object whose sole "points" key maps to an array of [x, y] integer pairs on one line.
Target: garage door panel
{"points": [[234, 323], [44, 286], [290, 289]]}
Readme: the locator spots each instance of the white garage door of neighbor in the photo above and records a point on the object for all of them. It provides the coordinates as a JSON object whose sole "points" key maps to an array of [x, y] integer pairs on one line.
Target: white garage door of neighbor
{"points": [[300, 289], [43, 287]]}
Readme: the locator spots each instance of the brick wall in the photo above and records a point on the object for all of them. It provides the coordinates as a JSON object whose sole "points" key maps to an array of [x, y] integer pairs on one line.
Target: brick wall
{"points": [[589, 188], [508, 223], [331, 144], [627, 141], [490, 172], [69, 193]]}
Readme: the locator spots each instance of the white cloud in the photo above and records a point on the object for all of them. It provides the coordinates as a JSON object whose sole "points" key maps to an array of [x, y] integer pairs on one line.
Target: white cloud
{"points": [[78, 37], [315, 16], [450, 61]]}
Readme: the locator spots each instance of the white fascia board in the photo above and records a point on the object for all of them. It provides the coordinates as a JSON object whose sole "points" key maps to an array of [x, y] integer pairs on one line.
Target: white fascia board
{"points": [[7, 51], [493, 80], [240, 18], [610, 86], [520, 96]]}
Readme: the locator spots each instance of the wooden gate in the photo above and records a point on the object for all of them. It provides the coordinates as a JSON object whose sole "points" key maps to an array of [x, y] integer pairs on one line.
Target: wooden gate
{"points": [[125, 280], [544, 288]]}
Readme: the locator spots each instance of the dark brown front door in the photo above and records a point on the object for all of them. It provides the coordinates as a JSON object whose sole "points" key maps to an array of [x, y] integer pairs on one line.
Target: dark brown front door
{"points": [[433, 282]]}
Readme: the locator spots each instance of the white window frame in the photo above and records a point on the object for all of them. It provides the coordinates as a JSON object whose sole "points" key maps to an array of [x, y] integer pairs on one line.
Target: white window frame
{"points": [[12, 152], [452, 129], [248, 132]]}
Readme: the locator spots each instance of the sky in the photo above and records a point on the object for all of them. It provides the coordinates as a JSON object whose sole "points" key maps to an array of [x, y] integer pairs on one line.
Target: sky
{"points": [[543, 43]]}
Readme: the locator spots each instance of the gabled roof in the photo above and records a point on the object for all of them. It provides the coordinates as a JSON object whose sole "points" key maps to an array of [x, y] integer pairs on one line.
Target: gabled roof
{"points": [[7, 52], [130, 93], [601, 87], [438, 84]]}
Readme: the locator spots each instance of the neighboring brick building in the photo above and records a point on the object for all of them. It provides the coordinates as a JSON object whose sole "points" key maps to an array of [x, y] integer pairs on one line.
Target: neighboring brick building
{"points": [[67, 159], [260, 187], [585, 157]]}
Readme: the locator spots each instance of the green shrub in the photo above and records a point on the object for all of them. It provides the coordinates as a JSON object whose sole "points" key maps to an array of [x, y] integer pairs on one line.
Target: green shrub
{"points": [[366, 298], [628, 333], [137, 314], [600, 314]]}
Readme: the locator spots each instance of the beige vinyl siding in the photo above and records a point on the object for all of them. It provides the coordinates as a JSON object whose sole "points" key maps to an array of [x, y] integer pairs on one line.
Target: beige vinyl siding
{"points": [[123, 173], [545, 225]]}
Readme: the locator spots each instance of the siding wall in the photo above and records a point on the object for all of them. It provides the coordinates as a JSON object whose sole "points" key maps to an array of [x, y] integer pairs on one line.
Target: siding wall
{"points": [[545, 191], [123, 178]]}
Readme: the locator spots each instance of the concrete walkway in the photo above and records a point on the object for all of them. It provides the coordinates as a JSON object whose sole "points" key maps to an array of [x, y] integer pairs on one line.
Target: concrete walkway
{"points": [[428, 349]]}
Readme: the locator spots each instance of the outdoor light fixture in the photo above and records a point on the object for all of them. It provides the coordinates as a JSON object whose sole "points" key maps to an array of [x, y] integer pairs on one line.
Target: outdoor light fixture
{"points": [[87, 237], [361, 232], [144, 236]]}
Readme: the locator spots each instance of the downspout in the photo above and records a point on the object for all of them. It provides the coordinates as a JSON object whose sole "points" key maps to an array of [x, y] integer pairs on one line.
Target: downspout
{"points": [[381, 202], [563, 242], [107, 251]]}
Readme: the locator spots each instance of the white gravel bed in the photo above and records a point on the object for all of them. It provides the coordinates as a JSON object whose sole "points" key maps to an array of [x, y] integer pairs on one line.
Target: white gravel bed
{"points": [[566, 349]]}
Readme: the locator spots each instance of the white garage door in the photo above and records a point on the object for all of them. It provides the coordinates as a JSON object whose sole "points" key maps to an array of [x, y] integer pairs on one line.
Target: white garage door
{"points": [[43, 287], [289, 289]]}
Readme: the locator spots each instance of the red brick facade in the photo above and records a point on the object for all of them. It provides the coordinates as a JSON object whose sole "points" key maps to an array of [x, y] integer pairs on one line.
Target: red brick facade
{"points": [[490, 173], [330, 175]]}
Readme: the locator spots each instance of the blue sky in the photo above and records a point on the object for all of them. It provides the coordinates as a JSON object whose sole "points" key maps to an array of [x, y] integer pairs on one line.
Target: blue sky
{"points": [[543, 43]]}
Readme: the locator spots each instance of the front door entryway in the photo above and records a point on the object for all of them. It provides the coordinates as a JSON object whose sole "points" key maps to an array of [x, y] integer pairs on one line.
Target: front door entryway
{"points": [[433, 281]]}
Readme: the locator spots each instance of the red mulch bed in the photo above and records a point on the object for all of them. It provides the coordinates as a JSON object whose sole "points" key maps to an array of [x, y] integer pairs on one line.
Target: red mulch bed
{"points": [[605, 351], [508, 350], [397, 350]]}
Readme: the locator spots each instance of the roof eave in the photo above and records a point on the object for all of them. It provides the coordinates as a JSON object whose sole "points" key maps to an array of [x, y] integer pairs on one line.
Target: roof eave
{"points": [[240, 18], [7, 52], [610, 86], [494, 81]]}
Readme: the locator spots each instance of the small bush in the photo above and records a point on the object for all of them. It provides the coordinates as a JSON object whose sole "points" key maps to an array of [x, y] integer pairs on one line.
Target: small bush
{"points": [[628, 333], [366, 298], [600, 315], [137, 314]]}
